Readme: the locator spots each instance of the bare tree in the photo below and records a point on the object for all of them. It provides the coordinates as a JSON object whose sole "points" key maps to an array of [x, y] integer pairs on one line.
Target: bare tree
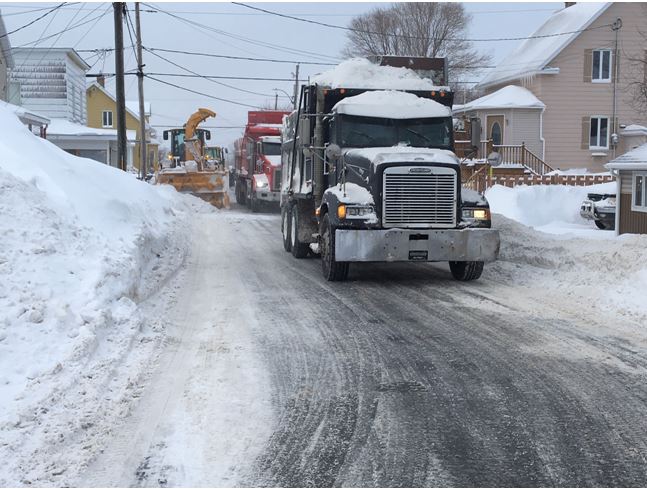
{"points": [[635, 72], [426, 29]]}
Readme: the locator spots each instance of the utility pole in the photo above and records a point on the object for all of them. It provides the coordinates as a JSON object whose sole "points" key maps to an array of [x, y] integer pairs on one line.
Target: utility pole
{"points": [[296, 86], [143, 140], [122, 143], [276, 100]]}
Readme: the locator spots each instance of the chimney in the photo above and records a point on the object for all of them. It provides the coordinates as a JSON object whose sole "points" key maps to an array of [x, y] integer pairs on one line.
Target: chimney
{"points": [[569, 4], [101, 80]]}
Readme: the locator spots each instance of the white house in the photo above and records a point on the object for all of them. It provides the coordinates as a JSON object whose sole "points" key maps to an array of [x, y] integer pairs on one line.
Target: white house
{"points": [[51, 82]]}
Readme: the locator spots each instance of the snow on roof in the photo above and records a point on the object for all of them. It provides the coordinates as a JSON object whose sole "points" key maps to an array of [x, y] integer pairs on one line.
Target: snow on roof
{"points": [[391, 104], [509, 97], [133, 106], [636, 159], [532, 55], [634, 130], [35, 52], [25, 115], [361, 73], [5, 45], [63, 127]]}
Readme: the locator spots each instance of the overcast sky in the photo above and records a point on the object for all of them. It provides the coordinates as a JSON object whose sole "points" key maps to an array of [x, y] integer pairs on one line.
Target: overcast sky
{"points": [[233, 30]]}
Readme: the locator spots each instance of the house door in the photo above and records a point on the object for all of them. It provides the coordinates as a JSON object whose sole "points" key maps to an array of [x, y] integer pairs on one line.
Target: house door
{"points": [[495, 124]]}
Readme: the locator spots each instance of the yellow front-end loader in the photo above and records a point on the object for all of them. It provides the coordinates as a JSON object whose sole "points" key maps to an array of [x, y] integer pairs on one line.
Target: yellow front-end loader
{"points": [[188, 167]]}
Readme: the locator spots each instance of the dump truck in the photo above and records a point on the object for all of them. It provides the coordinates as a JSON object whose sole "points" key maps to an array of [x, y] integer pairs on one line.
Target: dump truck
{"points": [[257, 157], [369, 173], [189, 168]]}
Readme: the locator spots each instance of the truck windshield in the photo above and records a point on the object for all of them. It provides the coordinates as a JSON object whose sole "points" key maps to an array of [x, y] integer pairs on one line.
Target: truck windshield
{"points": [[362, 132], [270, 149]]}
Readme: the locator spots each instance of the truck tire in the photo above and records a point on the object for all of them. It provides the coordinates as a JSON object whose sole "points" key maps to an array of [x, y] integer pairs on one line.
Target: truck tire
{"points": [[240, 194], [255, 205], [466, 270], [601, 225], [298, 249], [333, 271], [286, 223]]}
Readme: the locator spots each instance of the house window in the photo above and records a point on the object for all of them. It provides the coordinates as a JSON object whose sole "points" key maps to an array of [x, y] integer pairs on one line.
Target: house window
{"points": [[639, 192], [599, 135], [601, 66], [106, 118]]}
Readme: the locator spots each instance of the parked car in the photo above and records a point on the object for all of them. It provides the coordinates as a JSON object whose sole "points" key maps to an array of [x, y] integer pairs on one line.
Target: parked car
{"points": [[601, 209]]}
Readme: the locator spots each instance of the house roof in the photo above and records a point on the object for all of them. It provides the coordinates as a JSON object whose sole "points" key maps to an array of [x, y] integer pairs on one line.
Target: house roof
{"points": [[636, 159], [26, 116], [65, 128], [133, 106], [5, 45], [134, 113], [532, 55], [508, 97], [38, 53], [633, 130]]}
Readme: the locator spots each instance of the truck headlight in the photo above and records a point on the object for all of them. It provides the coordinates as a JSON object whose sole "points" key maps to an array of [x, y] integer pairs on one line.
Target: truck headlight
{"points": [[261, 184], [476, 214]]}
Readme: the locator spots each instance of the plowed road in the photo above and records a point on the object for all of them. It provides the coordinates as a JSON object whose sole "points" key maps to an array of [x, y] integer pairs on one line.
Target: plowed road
{"points": [[399, 377]]}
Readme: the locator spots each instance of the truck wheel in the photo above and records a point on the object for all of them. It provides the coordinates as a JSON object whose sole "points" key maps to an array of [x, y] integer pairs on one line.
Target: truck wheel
{"points": [[286, 221], [466, 270], [600, 225], [333, 270], [240, 195], [254, 204], [298, 249]]}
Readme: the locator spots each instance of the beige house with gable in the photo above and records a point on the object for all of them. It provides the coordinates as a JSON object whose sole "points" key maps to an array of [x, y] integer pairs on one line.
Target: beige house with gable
{"points": [[584, 81]]}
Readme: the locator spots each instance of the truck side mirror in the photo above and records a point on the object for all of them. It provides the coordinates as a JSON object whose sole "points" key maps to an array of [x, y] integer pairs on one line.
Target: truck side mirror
{"points": [[207, 135], [165, 135]]}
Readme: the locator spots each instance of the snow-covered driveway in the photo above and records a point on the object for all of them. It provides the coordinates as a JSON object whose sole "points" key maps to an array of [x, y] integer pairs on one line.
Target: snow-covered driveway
{"points": [[399, 377]]}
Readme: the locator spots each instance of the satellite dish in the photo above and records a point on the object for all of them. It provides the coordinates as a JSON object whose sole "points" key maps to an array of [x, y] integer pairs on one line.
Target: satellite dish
{"points": [[494, 158]]}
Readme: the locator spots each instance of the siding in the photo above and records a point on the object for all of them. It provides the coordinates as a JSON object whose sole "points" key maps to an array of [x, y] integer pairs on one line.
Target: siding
{"points": [[569, 98], [630, 222], [526, 129]]}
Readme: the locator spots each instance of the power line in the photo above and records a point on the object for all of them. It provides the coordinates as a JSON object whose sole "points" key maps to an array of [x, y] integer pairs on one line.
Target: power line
{"points": [[211, 79], [38, 41], [360, 31], [199, 93], [50, 11], [194, 24], [197, 75], [269, 60]]}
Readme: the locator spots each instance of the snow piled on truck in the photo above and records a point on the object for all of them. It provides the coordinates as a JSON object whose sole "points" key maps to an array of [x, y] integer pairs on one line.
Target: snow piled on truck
{"points": [[81, 244], [361, 73], [391, 104], [401, 153]]}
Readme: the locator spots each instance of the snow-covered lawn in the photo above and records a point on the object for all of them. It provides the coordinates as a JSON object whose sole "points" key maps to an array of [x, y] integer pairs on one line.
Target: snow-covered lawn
{"points": [[80, 245]]}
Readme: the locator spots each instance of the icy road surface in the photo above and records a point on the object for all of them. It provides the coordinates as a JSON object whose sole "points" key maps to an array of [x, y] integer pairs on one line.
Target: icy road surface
{"points": [[399, 377]]}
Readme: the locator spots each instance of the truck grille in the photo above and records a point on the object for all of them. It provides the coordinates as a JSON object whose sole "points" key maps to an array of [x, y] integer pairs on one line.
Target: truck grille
{"points": [[276, 181], [419, 197]]}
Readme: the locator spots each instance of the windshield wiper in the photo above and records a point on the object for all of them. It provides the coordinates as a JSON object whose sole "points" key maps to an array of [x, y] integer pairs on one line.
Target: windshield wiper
{"points": [[419, 135]]}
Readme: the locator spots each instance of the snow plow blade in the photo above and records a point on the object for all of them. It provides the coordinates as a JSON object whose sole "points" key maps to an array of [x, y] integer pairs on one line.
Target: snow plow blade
{"points": [[210, 186]]}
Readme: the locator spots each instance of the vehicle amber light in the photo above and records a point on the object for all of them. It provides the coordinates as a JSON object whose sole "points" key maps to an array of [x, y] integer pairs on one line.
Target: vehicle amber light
{"points": [[433, 94], [341, 211], [318, 211], [342, 91], [442, 94]]}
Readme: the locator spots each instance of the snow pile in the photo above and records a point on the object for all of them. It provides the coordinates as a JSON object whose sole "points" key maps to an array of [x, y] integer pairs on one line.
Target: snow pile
{"points": [[81, 244], [391, 104], [597, 275], [361, 73], [549, 208]]}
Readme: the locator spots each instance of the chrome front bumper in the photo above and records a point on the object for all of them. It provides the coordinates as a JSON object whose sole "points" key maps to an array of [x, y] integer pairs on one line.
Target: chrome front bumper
{"points": [[387, 245], [267, 195]]}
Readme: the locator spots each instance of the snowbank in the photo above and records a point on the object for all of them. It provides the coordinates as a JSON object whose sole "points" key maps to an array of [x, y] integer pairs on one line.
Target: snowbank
{"points": [[609, 276], [391, 104], [361, 73], [81, 244], [549, 208]]}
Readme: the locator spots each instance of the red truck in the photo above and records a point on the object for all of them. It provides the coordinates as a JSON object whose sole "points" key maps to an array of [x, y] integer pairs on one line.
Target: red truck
{"points": [[257, 158]]}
